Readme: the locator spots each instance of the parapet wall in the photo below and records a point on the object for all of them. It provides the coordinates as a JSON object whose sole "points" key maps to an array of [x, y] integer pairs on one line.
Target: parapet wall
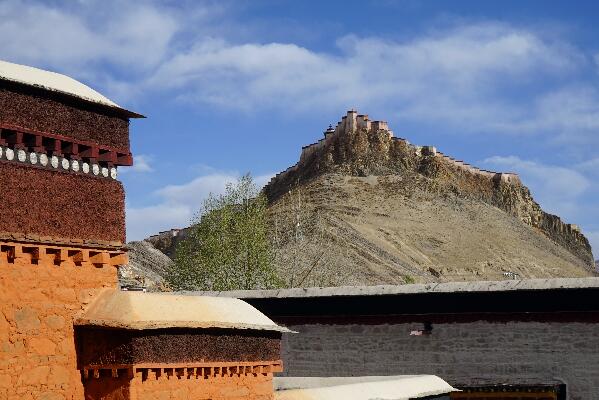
{"points": [[33, 109]]}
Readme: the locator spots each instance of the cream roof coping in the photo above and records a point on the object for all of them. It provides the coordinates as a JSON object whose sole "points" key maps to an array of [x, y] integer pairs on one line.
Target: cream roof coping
{"points": [[139, 311], [381, 290], [362, 388], [55, 82]]}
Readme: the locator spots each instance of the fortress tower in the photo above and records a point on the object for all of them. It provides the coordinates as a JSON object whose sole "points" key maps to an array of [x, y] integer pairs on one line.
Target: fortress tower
{"points": [[62, 222]]}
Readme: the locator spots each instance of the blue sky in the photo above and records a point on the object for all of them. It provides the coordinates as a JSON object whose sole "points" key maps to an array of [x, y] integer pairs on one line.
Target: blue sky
{"points": [[231, 87]]}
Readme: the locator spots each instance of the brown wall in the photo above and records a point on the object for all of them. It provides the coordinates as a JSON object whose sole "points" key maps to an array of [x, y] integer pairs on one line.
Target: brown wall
{"points": [[37, 349], [117, 346], [41, 111], [60, 204]]}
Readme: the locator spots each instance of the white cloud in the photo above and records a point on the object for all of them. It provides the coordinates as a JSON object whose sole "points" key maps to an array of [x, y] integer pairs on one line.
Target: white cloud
{"points": [[556, 188], [141, 164], [459, 65], [86, 34], [457, 77], [146, 221], [177, 204], [591, 166]]}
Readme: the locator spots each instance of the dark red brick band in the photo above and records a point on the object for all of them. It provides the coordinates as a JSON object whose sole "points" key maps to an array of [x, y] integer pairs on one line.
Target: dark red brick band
{"points": [[99, 346], [45, 203]]}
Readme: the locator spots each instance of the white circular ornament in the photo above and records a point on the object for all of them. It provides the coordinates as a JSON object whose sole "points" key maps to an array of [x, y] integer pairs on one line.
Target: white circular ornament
{"points": [[75, 165], [95, 169], [21, 155], [85, 168], [1, 151], [105, 172], [65, 163], [113, 173], [33, 158], [54, 162], [43, 160], [10, 154]]}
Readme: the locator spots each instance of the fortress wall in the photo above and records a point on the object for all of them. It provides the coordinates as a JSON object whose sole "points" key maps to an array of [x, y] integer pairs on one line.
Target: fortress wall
{"points": [[503, 177], [364, 123], [42, 112], [60, 204], [352, 121], [37, 303], [311, 149]]}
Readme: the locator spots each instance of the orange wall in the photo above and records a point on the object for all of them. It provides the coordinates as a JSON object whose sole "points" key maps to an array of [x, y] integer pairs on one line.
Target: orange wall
{"points": [[246, 387], [169, 386], [165, 382], [37, 348]]}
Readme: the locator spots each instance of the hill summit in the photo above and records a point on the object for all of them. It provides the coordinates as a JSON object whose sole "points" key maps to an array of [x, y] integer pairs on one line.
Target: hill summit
{"points": [[362, 206]]}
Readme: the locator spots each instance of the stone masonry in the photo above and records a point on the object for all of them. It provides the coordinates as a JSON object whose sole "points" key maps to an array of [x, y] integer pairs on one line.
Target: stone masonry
{"points": [[462, 353]]}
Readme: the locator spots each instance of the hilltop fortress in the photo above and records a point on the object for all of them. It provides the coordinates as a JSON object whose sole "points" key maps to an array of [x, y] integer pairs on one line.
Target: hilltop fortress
{"points": [[358, 146]]}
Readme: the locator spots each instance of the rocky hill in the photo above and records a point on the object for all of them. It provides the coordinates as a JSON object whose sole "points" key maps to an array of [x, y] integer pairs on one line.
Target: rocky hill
{"points": [[371, 208], [363, 207]]}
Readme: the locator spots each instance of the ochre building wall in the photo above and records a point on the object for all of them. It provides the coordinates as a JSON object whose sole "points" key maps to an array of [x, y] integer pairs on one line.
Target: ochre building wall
{"points": [[60, 204], [177, 384], [465, 353], [42, 111], [37, 347]]}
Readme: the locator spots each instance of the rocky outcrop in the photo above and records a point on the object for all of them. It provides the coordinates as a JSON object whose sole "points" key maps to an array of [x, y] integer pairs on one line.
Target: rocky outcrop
{"points": [[147, 267], [359, 147], [167, 241]]}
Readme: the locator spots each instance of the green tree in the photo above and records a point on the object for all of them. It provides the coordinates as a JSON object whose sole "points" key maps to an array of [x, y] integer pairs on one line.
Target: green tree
{"points": [[228, 246]]}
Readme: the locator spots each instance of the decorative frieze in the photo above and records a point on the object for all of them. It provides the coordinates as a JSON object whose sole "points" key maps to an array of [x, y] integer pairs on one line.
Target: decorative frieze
{"points": [[58, 163], [206, 370], [27, 254]]}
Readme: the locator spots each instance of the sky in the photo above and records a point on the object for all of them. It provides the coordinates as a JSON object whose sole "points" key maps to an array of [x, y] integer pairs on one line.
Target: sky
{"points": [[230, 87]]}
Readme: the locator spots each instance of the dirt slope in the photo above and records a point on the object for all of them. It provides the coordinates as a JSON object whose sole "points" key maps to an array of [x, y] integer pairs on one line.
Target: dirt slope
{"points": [[364, 231]]}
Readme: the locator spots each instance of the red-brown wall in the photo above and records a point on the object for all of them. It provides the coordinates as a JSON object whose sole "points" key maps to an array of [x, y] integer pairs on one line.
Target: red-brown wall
{"points": [[60, 204], [46, 112]]}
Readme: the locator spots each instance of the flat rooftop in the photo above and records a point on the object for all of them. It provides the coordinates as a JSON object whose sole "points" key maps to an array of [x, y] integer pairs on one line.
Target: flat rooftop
{"points": [[383, 290], [57, 83], [539, 296]]}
